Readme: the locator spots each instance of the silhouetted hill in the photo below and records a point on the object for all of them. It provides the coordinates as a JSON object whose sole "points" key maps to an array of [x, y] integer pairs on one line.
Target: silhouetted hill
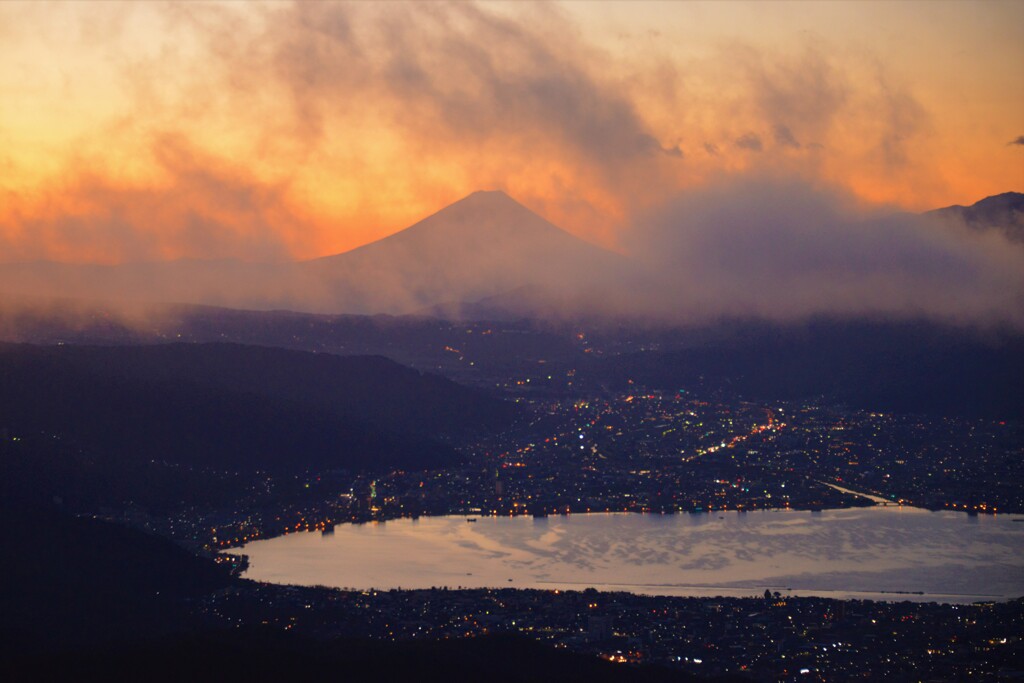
{"points": [[886, 366], [251, 656], [1003, 212], [427, 343], [76, 581], [918, 365], [85, 599], [480, 246], [231, 406], [370, 388]]}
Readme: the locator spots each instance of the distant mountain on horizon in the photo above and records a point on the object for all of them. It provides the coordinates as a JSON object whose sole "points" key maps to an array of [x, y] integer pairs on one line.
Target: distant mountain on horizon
{"points": [[483, 245], [908, 367], [474, 221], [485, 256], [1003, 212]]}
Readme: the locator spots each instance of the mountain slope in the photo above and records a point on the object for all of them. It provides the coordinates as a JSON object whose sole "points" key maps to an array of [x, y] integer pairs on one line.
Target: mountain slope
{"points": [[1003, 212], [238, 407], [904, 367], [70, 581], [480, 246], [485, 255]]}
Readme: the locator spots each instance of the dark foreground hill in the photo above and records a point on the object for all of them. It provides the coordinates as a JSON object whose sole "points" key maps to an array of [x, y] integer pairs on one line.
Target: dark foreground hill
{"points": [[917, 366], [224, 406], [250, 657], [78, 581], [84, 599], [905, 367]]}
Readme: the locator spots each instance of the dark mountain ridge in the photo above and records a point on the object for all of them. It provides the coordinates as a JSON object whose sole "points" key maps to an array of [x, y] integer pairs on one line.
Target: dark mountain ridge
{"points": [[485, 255], [84, 599], [237, 407], [1003, 212], [482, 245], [70, 582], [958, 369], [891, 366]]}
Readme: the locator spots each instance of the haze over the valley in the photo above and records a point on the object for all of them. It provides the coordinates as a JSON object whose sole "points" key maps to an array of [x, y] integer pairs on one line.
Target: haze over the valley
{"points": [[665, 162], [753, 249]]}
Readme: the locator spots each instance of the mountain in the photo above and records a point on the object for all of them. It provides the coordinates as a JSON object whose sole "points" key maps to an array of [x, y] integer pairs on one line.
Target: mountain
{"points": [[226, 406], [483, 245], [1003, 212], [890, 366], [485, 256], [85, 599], [911, 365], [69, 582]]}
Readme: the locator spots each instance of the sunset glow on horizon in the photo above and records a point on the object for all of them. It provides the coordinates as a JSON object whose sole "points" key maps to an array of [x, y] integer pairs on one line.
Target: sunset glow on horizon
{"points": [[273, 131]]}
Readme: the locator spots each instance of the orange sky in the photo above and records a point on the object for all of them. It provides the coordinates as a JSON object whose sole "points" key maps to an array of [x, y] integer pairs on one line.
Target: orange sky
{"points": [[270, 131]]}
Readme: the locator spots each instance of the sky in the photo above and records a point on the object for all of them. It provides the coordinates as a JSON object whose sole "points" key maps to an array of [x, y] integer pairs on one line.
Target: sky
{"points": [[278, 131]]}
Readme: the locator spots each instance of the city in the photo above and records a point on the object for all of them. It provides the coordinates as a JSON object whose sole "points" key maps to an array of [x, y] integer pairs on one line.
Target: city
{"points": [[650, 453], [770, 638]]}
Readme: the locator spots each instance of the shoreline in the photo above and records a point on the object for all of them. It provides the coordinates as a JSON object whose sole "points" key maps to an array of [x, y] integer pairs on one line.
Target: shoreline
{"points": [[690, 586], [325, 525]]}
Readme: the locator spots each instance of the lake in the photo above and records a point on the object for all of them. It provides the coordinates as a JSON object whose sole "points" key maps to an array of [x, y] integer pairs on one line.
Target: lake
{"points": [[879, 553]]}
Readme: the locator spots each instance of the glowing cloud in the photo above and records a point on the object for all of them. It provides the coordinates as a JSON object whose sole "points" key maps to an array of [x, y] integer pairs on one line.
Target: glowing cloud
{"points": [[268, 130]]}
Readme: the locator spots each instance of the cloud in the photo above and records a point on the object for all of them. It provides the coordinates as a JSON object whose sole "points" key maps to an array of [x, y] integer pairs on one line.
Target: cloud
{"points": [[805, 89], [201, 205], [427, 102], [901, 117], [784, 137], [674, 151], [455, 71], [750, 141], [786, 249], [747, 245], [270, 131]]}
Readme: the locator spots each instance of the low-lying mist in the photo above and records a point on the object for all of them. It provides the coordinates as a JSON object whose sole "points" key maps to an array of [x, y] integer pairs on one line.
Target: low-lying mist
{"points": [[784, 249], [747, 247]]}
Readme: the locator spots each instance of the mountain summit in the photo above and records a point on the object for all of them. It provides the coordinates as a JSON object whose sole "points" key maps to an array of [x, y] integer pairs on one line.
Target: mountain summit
{"points": [[481, 222], [486, 255], [483, 245]]}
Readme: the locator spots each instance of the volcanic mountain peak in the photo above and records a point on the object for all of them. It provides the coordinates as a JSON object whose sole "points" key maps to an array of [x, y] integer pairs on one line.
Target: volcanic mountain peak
{"points": [[485, 200], [483, 220], [482, 245]]}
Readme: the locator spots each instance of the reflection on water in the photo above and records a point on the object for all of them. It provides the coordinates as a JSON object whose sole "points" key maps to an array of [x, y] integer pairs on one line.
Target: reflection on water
{"points": [[877, 553]]}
